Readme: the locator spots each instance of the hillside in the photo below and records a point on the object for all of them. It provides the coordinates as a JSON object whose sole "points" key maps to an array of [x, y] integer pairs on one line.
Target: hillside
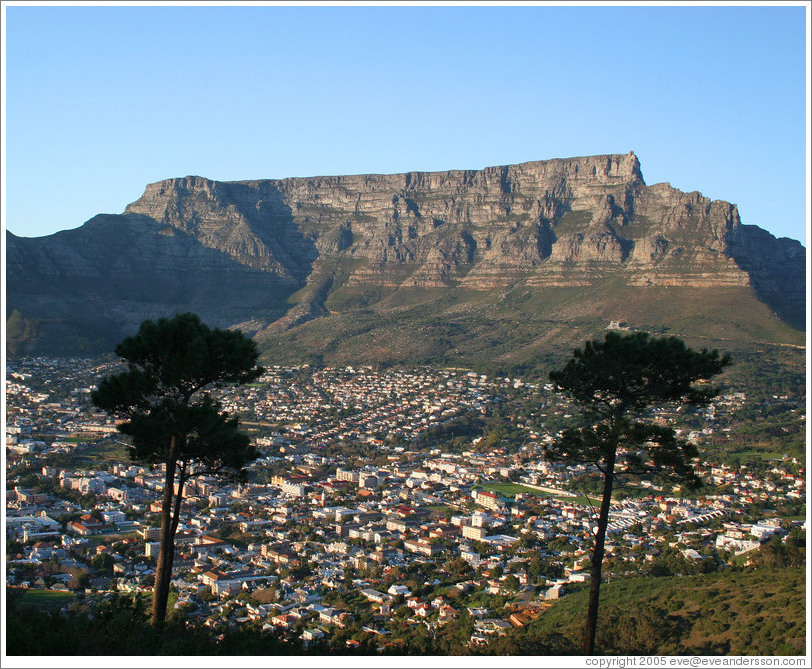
{"points": [[503, 265], [742, 612]]}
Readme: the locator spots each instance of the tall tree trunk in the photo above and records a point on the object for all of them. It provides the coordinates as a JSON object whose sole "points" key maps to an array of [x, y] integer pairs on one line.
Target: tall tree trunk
{"points": [[597, 555], [173, 529], [166, 554]]}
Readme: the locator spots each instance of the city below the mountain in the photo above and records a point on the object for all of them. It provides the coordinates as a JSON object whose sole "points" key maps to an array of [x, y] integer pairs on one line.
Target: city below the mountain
{"points": [[385, 503]]}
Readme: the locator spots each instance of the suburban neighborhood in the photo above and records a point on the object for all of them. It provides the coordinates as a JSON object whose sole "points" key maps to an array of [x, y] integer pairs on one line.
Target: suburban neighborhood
{"points": [[382, 500]]}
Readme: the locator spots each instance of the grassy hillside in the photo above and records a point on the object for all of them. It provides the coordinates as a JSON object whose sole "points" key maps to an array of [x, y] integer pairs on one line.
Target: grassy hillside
{"points": [[524, 328], [747, 612]]}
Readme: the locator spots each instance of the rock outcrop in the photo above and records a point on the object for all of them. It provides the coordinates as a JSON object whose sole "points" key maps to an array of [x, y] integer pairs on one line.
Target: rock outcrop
{"points": [[273, 253]]}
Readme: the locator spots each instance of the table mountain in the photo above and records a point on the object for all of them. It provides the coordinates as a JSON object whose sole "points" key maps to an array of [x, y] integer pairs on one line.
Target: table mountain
{"points": [[494, 264]]}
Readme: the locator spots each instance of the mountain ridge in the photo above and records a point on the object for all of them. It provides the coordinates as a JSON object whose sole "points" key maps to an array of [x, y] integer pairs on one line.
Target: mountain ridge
{"points": [[276, 255]]}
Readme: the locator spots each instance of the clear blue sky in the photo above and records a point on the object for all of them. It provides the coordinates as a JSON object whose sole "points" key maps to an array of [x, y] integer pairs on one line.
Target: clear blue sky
{"points": [[102, 100]]}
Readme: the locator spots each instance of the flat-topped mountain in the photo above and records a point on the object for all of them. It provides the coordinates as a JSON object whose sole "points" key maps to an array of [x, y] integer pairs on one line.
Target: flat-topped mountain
{"points": [[494, 264]]}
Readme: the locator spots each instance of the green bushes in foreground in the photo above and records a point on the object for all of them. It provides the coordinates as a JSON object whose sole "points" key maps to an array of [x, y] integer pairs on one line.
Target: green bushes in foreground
{"points": [[121, 626]]}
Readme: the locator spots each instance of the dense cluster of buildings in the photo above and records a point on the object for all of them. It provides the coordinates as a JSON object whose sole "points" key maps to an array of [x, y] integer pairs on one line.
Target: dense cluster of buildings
{"points": [[321, 539]]}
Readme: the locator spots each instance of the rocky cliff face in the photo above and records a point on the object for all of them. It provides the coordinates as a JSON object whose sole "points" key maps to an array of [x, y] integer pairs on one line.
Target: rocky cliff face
{"points": [[274, 253]]}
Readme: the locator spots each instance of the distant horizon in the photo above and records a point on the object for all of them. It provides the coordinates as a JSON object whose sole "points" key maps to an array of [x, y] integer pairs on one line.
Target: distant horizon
{"points": [[102, 100]]}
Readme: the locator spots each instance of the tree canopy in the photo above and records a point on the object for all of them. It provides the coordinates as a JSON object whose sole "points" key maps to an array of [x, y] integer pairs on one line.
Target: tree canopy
{"points": [[631, 372], [169, 363]]}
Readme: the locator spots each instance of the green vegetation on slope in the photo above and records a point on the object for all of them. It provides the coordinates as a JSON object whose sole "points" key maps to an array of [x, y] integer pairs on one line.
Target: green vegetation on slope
{"points": [[525, 329], [735, 612], [19, 332]]}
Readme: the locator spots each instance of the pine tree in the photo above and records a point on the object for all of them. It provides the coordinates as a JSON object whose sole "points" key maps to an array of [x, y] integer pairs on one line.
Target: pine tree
{"points": [[171, 418], [616, 382]]}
